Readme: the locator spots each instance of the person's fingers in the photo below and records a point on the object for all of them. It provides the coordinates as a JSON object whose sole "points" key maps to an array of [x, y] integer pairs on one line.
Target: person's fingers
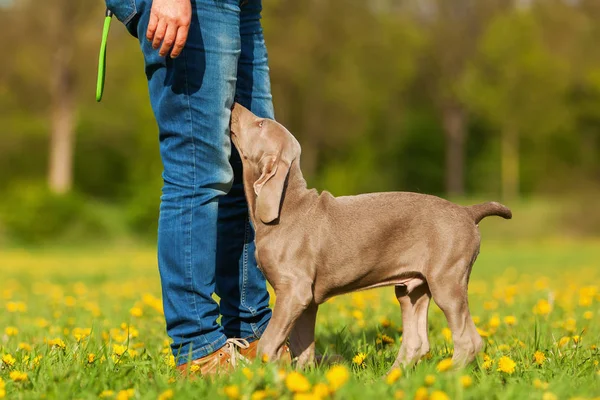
{"points": [[168, 40], [182, 34], [152, 25], [159, 35]]}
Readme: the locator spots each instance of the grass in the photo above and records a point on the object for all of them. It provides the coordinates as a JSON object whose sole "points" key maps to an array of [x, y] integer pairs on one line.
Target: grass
{"points": [[88, 323]]}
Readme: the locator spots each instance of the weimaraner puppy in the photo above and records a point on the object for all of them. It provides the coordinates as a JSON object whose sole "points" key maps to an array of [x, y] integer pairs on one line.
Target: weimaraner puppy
{"points": [[312, 246]]}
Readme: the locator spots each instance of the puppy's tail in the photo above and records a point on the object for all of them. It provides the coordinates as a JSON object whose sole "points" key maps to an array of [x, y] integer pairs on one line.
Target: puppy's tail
{"points": [[480, 211]]}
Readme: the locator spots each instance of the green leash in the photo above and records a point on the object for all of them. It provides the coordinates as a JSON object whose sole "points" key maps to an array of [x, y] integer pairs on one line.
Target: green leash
{"points": [[102, 57]]}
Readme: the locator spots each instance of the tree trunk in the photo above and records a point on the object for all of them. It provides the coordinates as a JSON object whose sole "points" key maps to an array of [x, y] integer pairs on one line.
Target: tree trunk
{"points": [[510, 163], [454, 123], [60, 167]]}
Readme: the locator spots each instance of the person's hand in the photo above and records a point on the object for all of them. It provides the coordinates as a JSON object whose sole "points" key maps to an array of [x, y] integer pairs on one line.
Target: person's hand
{"points": [[169, 24]]}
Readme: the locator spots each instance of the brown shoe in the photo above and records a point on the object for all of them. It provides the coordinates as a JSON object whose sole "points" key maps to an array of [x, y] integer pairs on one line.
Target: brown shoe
{"points": [[250, 352], [221, 361]]}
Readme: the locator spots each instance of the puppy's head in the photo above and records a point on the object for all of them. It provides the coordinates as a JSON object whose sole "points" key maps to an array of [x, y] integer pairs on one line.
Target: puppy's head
{"points": [[267, 149]]}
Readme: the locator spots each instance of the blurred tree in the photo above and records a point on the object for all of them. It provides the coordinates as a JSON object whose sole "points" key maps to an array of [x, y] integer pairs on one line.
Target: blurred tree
{"points": [[518, 85]]}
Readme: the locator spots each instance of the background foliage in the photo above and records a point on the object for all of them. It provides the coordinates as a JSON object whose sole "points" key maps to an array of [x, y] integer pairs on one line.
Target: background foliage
{"points": [[495, 99]]}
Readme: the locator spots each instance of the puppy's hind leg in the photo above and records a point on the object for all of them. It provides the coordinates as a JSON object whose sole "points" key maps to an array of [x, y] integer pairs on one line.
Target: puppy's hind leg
{"points": [[414, 301]]}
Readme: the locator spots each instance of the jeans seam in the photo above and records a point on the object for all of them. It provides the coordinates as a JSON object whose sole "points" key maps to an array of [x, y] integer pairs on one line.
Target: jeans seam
{"points": [[245, 268], [133, 13], [191, 217]]}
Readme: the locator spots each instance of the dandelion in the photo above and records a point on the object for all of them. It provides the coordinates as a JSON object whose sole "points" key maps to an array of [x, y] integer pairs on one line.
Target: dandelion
{"points": [[11, 331], [466, 381], [510, 320], [16, 307], [91, 358], [166, 395], [18, 376], [494, 322], [588, 315], [36, 361], [337, 377], [119, 350], [357, 314], [576, 339], [506, 365], [297, 383], [490, 305], [393, 376], [564, 341], [549, 396], [57, 343], [81, 333], [24, 346], [136, 312], [539, 358], [429, 380], [422, 393], [232, 392], [504, 347], [265, 358], [385, 339], [247, 373], [487, 362], [2, 388], [359, 359], [385, 322], [444, 365], [106, 393], [439, 395], [542, 308], [125, 394], [447, 334], [320, 390], [538, 384], [194, 368], [8, 360]]}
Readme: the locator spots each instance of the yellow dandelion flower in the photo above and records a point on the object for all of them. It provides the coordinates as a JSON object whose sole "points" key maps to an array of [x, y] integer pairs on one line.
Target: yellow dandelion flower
{"points": [[357, 314], [447, 334], [24, 346], [166, 395], [359, 359], [321, 390], [81, 333], [106, 393], [393, 376], [337, 376], [8, 360], [36, 361], [18, 376], [466, 381], [2, 388], [385, 322], [539, 357], [91, 358], [490, 305], [136, 312], [444, 365], [483, 333], [506, 365], [11, 331], [247, 373], [438, 395], [576, 339], [542, 307], [510, 320], [306, 396], [385, 339], [259, 395], [119, 350], [504, 347], [16, 307], [232, 392], [125, 394], [588, 315], [57, 343], [296, 382], [429, 380], [564, 341], [538, 384], [422, 394], [549, 396], [194, 368], [494, 322], [265, 358]]}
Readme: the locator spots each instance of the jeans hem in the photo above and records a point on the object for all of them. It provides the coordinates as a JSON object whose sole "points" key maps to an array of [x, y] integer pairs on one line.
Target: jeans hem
{"points": [[196, 353]]}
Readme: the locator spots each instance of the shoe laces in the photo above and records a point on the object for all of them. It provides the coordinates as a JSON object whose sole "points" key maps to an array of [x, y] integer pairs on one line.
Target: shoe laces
{"points": [[232, 345]]}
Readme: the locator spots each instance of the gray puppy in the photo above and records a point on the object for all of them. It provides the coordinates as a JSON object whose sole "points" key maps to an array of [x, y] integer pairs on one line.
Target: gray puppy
{"points": [[313, 246]]}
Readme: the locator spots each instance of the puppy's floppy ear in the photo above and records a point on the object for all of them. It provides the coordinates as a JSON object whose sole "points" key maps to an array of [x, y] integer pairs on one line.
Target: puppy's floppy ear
{"points": [[269, 188]]}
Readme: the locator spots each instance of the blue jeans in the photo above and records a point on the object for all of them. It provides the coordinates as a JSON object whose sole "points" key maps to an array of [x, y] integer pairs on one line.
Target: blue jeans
{"points": [[205, 239]]}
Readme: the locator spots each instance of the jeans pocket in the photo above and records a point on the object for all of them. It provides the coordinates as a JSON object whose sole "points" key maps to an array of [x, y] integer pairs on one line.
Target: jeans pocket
{"points": [[124, 10]]}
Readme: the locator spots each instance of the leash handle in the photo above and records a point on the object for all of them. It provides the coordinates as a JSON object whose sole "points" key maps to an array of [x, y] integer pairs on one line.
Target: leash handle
{"points": [[102, 56]]}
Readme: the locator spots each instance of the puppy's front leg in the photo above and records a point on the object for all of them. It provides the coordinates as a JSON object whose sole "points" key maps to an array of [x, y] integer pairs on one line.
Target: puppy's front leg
{"points": [[302, 338], [290, 303]]}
